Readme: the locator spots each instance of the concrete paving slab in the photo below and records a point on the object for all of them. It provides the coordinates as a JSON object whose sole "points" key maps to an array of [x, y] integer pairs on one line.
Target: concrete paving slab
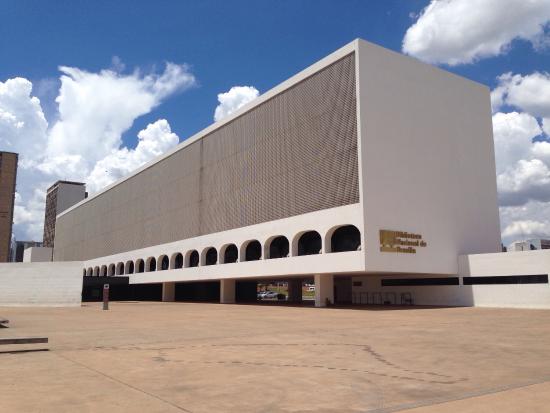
{"points": [[240, 358]]}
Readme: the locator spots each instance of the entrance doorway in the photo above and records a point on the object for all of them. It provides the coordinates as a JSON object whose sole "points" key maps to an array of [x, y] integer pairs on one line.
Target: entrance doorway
{"points": [[342, 290]]}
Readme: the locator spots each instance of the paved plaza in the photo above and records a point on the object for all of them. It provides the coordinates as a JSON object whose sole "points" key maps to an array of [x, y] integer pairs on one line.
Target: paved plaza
{"points": [[173, 357]]}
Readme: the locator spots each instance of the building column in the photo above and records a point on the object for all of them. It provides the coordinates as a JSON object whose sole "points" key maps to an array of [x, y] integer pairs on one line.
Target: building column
{"points": [[169, 291], [227, 291], [294, 290], [324, 289]]}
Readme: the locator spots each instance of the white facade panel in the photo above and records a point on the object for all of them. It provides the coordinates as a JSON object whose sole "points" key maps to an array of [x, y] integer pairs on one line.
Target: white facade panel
{"points": [[427, 162], [38, 254], [69, 195], [512, 263]]}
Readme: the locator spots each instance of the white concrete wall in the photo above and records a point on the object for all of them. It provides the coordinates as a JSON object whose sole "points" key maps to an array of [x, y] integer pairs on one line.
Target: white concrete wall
{"points": [[478, 265], [69, 195], [426, 162], [504, 296], [511, 263], [38, 254], [55, 284], [444, 295], [503, 264]]}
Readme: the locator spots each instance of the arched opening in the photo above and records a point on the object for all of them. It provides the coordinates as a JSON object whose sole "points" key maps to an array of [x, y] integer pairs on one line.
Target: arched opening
{"points": [[111, 270], [129, 267], [253, 251], [120, 268], [309, 243], [140, 266], [345, 238], [163, 262], [90, 271], [84, 272], [278, 247], [193, 258], [230, 254], [96, 271], [176, 261], [103, 271], [211, 256], [151, 264]]}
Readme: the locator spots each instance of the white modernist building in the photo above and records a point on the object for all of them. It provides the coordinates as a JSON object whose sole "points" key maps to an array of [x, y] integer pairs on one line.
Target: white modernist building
{"points": [[369, 172]]}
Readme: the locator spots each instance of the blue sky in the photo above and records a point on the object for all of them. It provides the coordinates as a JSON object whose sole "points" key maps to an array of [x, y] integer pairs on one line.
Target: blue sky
{"points": [[259, 43]]}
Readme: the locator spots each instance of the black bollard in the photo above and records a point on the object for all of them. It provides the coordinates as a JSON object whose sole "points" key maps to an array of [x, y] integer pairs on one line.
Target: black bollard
{"points": [[105, 296]]}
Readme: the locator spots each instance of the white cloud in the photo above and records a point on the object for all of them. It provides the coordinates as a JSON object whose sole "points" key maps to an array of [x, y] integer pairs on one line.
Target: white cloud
{"points": [[526, 180], [22, 122], [233, 100], [522, 164], [523, 153], [96, 108], [154, 140], [29, 214], [541, 150], [525, 229], [462, 31], [530, 93], [534, 211], [85, 142], [513, 134], [531, 220]]}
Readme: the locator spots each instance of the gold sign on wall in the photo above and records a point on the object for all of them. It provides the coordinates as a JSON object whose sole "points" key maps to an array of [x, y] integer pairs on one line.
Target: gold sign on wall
{"points": [[400, 241]]}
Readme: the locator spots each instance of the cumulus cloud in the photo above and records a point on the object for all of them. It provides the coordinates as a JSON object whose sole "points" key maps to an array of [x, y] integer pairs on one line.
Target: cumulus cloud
{"points": [[233, 100], [96, 108], [28, 214], [522, 151], [522, 162], [526, 221], [526, 180], [530, 93], [154, 140], [85, 140], [22, 123], [528, 228], [462, 31], [513, 134]]}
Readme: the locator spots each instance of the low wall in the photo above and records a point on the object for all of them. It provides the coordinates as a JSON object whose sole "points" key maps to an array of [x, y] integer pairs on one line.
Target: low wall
{"points": [[371, 291], [55, 284], [520, 263], [524, 293], [509, 263]]}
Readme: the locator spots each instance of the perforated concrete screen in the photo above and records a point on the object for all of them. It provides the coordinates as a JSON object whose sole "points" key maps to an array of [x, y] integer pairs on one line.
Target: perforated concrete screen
{"points": [[293, 154]]}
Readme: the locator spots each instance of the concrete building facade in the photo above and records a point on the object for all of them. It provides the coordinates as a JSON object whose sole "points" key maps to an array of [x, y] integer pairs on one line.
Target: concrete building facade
{"points": [[366, 164], [19, 247], [8, 178], [60, 196], [530, 245], [38, 254]]}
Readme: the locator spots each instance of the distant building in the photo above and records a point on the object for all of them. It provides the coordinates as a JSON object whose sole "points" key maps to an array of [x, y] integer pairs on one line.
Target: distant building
{"points": [[8, 176], [12, 249], [60, 196], [530, 245], [19, 247]]}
